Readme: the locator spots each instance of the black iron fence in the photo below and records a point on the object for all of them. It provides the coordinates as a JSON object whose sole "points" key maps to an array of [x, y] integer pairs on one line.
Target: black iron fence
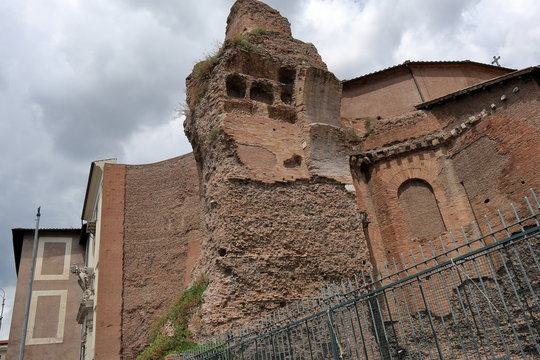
{"points": [[476, 298]]}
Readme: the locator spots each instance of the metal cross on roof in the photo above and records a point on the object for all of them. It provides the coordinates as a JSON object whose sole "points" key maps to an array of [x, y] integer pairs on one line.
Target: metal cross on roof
{"points": [[496, 60]]}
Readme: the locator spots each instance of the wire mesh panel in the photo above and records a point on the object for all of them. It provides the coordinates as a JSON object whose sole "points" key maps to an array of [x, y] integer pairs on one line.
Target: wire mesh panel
{"points": [[478, 298]]}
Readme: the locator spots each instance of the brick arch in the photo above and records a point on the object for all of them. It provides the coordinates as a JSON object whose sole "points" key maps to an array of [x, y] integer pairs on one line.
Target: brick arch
{"points": [[426, 170]]}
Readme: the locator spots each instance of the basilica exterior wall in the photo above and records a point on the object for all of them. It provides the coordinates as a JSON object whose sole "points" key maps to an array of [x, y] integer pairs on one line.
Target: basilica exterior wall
{"points": [[162, 232]]}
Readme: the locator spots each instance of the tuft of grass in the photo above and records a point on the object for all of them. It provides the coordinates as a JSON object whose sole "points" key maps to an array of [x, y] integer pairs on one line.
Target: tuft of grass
{"points": [[201, 75], [178, 317], [370, 131], [353, 135], [203, 68], [367, 123], [212, 135], [258, 31], [182, 109], [243, 43]]}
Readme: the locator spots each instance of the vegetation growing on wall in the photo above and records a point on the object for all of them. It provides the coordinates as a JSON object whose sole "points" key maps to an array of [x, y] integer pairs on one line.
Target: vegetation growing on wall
{"points": [[353, 135], [170, 334], [258, 31], [242, 41], [213, 134], [370, 131], [201, 75]]}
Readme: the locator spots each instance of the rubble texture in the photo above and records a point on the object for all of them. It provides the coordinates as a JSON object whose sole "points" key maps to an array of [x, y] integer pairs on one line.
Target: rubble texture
{"points": [[274, 165]]}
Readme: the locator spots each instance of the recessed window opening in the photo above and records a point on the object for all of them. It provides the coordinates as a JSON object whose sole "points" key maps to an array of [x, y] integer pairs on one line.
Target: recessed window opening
{"points": [[421, 209]]}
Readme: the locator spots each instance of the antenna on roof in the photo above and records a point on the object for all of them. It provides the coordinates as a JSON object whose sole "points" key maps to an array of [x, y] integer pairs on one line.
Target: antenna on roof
{"points": [[496, 60], [30, 283], [3, 296]]}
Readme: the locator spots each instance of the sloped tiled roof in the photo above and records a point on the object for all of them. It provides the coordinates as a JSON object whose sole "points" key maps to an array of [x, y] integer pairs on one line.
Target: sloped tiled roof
{"points": [[482, 85], [453, 62]]}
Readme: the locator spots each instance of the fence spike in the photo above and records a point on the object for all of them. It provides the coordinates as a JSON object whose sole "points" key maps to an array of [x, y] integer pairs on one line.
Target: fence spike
{"points": [[433, 251], [351, 285], [414, 263], [533, 194], [453, 239], [501, 218], [488, 223], [329, 291], [379, 273], [344, 289], [336, 291], [371, 277], [464, 234], [529, 206], [477, 230], [516, 214], [386, 268], [305, 305], [422, 254], [290, 310], [363, 278], [404, 263], [395, 265], [322, 293]]}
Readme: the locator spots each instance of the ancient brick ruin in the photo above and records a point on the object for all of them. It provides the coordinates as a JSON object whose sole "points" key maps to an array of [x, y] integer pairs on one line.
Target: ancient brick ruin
{"points": [[273, 134], [273, 164], [297, 179]]}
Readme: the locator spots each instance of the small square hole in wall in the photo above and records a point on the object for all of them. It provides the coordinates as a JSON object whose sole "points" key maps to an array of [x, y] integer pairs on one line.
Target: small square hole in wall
{"points": [[262, 91], [286, 75], [236, 86]]}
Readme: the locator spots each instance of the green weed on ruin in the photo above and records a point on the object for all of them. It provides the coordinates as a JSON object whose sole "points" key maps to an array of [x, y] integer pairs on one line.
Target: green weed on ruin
{"points": [[177, 318], [242, 41], [201, 75], [353, 135], [258, 31], [213, 134]]}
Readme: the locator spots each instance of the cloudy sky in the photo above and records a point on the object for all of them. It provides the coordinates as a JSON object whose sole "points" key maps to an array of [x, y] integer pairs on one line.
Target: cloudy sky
{"points": [[86, 80]]}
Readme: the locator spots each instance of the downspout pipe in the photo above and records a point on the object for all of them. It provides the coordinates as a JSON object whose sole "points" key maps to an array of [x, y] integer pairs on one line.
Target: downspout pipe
{"points": [[406, 63]]}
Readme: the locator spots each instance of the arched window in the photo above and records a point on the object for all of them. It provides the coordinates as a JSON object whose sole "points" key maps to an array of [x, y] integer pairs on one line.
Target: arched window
{"points": [[421, 209]]}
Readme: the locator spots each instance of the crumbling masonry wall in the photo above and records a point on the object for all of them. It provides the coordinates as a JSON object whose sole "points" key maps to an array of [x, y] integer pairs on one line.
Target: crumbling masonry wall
{"points": [[273, 167]]}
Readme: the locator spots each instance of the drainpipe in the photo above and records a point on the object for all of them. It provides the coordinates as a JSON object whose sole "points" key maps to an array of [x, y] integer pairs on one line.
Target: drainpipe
{"points": [[406, 63]]}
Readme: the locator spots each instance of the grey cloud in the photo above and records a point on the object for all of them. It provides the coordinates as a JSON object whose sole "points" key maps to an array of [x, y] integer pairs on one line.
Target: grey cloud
{"points": [[77, 85]]}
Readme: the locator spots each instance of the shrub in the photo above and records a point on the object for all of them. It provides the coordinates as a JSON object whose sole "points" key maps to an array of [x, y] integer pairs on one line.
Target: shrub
{"points": [[178, 319]]}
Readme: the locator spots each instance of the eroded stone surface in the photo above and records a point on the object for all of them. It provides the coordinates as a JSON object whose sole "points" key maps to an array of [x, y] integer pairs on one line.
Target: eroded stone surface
{"points": [[273, 163]]}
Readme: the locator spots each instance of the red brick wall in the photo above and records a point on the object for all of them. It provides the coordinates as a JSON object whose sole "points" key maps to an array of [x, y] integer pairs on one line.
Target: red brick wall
{"points": [[394, 92], [162, 232], [498, 161], [109, 297], [487, 167]]}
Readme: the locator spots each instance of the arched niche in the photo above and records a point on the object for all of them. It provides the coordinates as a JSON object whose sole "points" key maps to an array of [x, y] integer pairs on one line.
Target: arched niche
{"points": [[421, 209]]}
